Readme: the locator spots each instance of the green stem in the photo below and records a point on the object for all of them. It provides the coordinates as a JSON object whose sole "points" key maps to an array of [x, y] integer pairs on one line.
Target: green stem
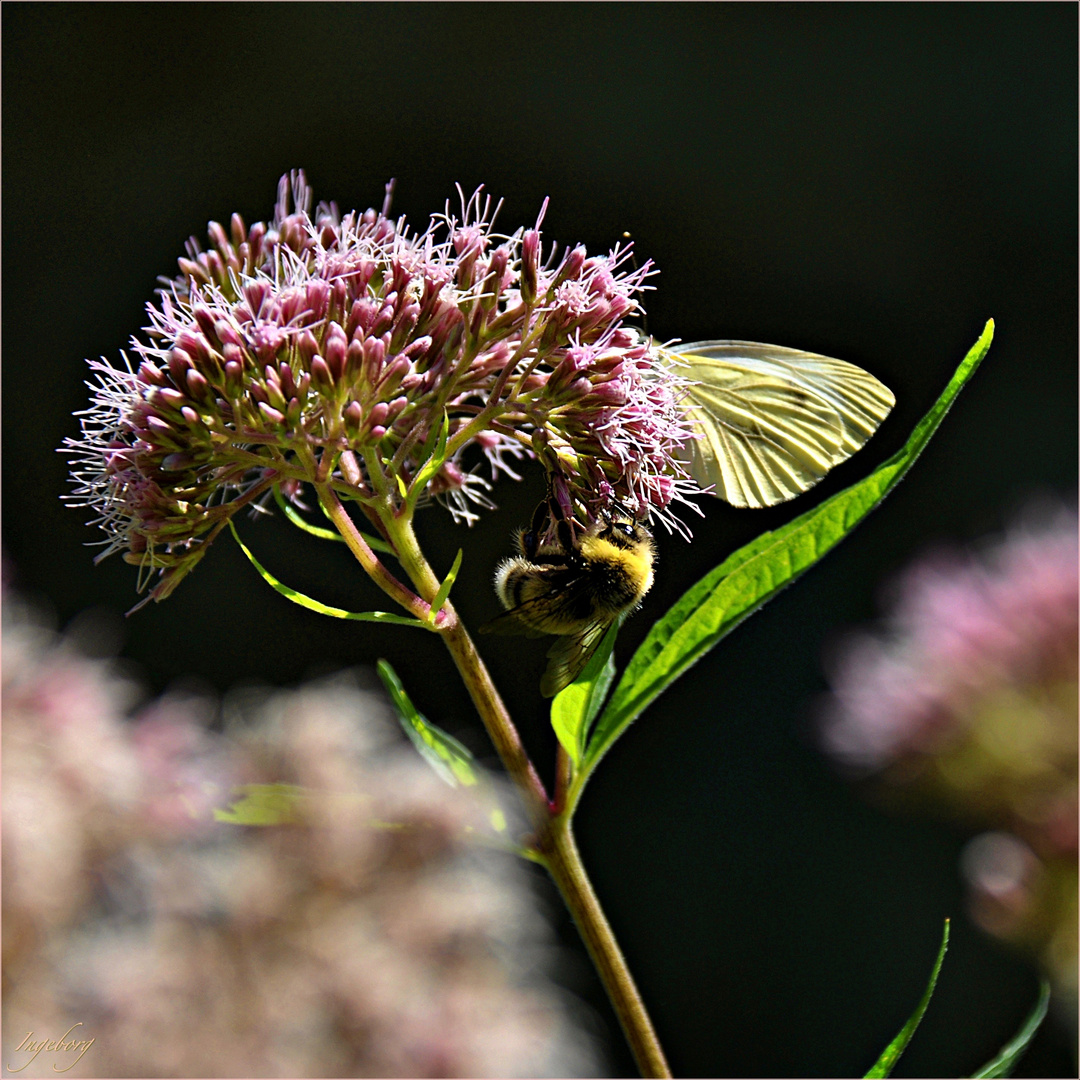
{"points": [[564, 863], [367, 558], [554, 840], [481, 689]]}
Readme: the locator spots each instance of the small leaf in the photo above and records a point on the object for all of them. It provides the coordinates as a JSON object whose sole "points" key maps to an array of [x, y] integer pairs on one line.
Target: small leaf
{"points": [[323, 609], [450, 760], [749, 577], [444, 589], [887, 1062], [1013, 1050], [289, 511], [574, 708], [435, 461], [264, 804]]}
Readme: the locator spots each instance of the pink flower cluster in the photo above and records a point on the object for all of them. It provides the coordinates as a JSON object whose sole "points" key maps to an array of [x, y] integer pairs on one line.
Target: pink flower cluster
{"points": [[341, 347]]}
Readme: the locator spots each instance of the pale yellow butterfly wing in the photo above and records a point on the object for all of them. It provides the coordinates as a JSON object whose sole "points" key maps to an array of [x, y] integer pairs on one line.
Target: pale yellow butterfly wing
{"points": [[774, 420]]}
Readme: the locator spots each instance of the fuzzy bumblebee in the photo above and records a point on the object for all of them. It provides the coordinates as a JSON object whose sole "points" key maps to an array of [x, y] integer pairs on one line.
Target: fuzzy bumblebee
{"points": [[574, 589]]}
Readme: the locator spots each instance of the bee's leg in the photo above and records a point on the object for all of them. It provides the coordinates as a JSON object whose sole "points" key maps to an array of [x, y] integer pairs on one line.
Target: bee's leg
{"points": [[530, 539], [565, 534]]}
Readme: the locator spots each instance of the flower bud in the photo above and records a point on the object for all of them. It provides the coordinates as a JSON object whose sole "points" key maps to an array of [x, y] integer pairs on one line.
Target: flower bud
{"points": [[307, 347], [418, 349], [321, 376], [353, 416], [404, 326], [385, 319], [234, 374], [205, 321], [272, 415], [238, 230], [177, 462], [179, 365], [335, 345], [150, 374], [338, 298], [570, 270], [377, 413], [273, 389], [493, 282], [287, 381], [232, 354], [193, 272], [197, 385], [255, 294], [374, 353], [361, 317], [255, 244], [215, 267], [217, 236], [530, 259], [318, 299], [166, 398], [354, 359], [393, 374]]}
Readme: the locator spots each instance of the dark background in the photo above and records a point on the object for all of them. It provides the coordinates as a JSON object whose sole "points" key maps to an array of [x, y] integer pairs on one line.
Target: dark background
{"points": [[871, 182]]}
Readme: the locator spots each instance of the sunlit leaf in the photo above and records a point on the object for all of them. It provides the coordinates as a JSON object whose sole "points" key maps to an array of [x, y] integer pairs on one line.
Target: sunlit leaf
{"points": [[264, 804], [444, 588], [450, 760], [713, 607], [575, 707], [289, 511], [885, 1064], [314, 605], [435, 461], [1013, 1050]]}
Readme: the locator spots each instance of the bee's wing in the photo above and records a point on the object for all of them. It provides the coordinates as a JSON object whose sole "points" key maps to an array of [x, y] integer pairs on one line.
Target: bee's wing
{"points": [[549, 613], [509, 622], [774, 420], [569, 655]]}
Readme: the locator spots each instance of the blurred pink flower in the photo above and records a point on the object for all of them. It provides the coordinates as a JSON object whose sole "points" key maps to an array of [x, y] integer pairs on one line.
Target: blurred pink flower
{"points": [[371, 937], [968, 700]]}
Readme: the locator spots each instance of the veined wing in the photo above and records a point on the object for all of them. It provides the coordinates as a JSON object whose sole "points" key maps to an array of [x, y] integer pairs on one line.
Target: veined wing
{"points": [[569, 655], [558, 610], [774, 420]]}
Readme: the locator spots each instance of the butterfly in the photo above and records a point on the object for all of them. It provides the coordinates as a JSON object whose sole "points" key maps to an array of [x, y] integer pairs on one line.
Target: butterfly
{"points": [[773, 421]]}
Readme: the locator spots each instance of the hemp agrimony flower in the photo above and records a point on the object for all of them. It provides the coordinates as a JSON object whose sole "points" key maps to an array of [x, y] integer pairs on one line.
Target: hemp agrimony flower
{"points": [[350, 352]]}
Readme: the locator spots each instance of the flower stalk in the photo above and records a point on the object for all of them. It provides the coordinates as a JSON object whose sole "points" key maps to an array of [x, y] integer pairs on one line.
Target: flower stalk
{"points": [[553, 842], [383, 368]]}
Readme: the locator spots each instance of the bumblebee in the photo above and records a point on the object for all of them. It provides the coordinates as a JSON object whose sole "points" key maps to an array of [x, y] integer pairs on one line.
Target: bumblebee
{"points": [[574, 588]]}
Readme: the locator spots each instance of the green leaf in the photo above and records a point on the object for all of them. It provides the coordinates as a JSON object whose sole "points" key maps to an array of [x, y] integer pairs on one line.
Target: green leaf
{"points": [[575, 707], [444, 589], [289, 511], [323, 609], [435, 461], [749, 577], [264, 804], [887, 1062], [1013, 1050], [442, 752]]}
